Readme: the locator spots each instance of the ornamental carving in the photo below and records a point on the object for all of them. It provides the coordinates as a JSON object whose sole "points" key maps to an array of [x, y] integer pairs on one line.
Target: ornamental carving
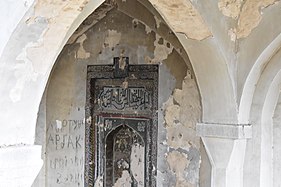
{"points": [[121, 137]]}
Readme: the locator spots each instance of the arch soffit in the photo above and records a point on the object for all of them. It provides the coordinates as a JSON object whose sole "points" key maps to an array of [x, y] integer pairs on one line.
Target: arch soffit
{"points": [[55, 37], [252, 80]]}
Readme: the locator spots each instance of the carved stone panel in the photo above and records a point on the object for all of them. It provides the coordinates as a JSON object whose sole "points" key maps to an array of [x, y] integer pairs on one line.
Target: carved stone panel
{"points": [[121, 124]]}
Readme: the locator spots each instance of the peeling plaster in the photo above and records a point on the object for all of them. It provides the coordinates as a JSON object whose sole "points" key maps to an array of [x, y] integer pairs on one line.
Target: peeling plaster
{"points": [[182, 16], [42, 8], [112, 38], [81, 53], [250, 16], [147, 28], [230, 8], [178, 162], [136, 170], [190, 112], [59, 15], [94, 18], [184, 106], [247, 12], [172, 113], [182, 112], [161, 50], [179, 136]]}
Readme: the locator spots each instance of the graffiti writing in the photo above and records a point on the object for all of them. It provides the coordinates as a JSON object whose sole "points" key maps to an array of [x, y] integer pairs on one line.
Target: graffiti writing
{"points": [[63, 141], [69, 178], [66, 161]]}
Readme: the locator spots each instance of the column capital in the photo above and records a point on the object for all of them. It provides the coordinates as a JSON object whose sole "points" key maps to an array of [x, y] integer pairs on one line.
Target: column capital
{"points": [[227, 131]]}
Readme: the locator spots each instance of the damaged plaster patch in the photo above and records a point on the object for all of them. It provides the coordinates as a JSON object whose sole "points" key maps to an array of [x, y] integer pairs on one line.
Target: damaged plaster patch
{"points": [[59, 16], [180, 136], [92, 19], [250, 16], [137, 164], [51, 9], [191, 22], [81, 53], [147, 28], [181, 113], [32, 50], [248, 13], [112, 38], [24, 72], [230, 8], [189, 100], [135, 171], [172, 113], [161, 51], [124, 180], [178, 163]]}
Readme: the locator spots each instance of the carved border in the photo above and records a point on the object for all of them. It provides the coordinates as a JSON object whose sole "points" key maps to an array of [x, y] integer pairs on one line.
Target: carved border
{"points": [[142, 72]]}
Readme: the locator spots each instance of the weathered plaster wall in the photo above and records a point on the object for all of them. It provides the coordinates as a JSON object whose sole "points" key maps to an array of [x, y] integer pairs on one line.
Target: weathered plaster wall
{"points": [[193, 20], [259, 41], [40, 139], [213, 56], [28, 58], [23, 82], [114, 35], [258, 164], [248, 13], [276, 144], [11, 12], [222, 63], [182, 111]]}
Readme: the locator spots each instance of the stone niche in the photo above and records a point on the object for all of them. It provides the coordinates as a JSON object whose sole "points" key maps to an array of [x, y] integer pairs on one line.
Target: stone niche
{"points": [[121, 133], [64, 115]]}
